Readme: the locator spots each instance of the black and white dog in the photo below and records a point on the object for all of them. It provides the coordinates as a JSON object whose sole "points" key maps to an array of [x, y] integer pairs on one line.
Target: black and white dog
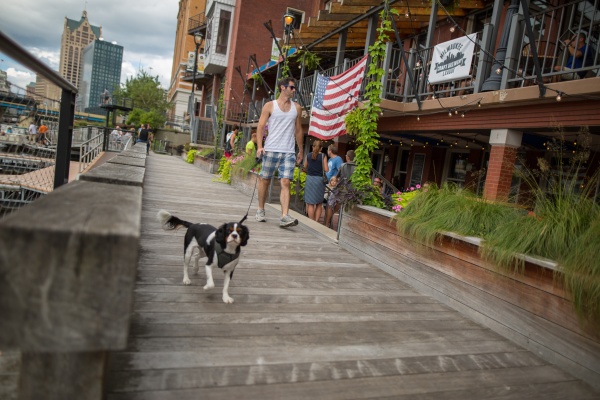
{"points": [[221, 247]]}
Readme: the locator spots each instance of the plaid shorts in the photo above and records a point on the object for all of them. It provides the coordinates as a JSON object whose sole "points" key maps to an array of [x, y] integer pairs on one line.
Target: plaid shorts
{"points": [[283, 162]]}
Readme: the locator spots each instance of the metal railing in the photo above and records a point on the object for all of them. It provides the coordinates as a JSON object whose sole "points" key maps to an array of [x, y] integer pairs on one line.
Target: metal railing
{"points": [[67, 105], [553, 27], [398, 84], [196, 22], [90, 150]]}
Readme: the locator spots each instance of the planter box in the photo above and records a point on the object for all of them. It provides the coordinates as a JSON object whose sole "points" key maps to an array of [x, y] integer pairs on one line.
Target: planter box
{"points": [[531, 308], [209, 165], [247, 183]]}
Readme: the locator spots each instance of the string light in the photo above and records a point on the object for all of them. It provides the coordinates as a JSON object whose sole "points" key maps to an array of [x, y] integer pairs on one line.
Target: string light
{"points": [[452, 28], [558, 96], [462, 115], [499, 70], [407, 14], [418, 118], [450, 113]]}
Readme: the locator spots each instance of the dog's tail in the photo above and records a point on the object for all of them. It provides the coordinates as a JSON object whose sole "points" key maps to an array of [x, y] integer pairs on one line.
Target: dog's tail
{"points": [[170, 222]]}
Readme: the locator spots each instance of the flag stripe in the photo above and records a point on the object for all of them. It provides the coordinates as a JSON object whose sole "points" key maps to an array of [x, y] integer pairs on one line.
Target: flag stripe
{"points": [[334, 97]]}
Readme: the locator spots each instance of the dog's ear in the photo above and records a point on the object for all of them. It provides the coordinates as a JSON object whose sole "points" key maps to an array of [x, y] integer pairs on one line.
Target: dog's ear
{"points": [[221, 235], [245, 235]]}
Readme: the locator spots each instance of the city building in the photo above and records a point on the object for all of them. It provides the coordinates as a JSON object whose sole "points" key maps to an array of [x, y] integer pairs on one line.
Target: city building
{"points": [[101, 70], [180, 88], [76, 36], [474, 130]]}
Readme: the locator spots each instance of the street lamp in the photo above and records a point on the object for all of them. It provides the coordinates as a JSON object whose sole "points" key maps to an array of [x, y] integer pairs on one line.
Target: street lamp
{"points": [[198, 37], [288, 20]]}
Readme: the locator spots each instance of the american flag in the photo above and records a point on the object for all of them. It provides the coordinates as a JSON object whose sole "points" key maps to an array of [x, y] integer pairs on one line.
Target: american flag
{"points": [[334, 97]]}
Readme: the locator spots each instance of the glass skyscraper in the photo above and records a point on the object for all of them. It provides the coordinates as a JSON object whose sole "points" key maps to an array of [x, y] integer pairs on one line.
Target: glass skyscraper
{"points": [[101, 70]]}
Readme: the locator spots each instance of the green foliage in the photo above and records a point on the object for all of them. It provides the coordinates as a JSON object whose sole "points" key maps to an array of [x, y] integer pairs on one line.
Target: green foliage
{"points": [[220, 114], [191, 155], [299, 178], [310, 60], [245, 165], [582, 274], [135, 117], [224, 170], [451, 209], [258, 79], [347, 194], [149, 99], [210, 153], [363, 122]]}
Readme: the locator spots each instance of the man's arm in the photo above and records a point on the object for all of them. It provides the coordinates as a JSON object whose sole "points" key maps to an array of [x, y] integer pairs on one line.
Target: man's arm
{"points": [[260, 129], [299, 134]]}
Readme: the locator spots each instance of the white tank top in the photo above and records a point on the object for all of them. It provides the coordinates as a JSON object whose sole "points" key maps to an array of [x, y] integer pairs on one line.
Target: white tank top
{"points": [[282, 129]]}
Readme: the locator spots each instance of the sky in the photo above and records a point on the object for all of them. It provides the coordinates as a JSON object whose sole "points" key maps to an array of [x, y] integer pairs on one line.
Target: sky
{"points": [[145, 29]]}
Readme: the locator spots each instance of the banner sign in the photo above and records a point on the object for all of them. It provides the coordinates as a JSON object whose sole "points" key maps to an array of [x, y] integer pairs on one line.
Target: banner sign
{"points": [[451, 60], [190, 62]]}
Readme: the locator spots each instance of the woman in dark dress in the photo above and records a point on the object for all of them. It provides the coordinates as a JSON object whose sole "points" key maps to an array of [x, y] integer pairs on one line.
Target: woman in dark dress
{"points": [[315, 164]]}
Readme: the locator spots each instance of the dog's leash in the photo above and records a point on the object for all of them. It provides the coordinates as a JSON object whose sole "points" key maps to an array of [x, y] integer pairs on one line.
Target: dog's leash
{"points": [[257, 161]]}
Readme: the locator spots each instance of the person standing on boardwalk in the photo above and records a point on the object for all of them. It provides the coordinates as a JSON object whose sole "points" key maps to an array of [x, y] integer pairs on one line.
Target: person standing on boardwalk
{"points": [[315, 165], [335, 161], [283, 116], [145, 137]]}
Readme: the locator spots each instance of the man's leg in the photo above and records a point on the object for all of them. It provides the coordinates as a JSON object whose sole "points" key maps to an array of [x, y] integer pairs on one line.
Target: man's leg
{"points": [[263, 186], [284, 196]]}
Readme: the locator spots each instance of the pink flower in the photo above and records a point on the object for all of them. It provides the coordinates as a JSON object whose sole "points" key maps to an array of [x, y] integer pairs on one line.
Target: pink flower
{"points": [[412, 188], [418, 186]]}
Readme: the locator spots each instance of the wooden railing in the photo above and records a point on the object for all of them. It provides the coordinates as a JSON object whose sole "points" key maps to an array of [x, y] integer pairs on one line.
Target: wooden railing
{"points": [[67, 276]]}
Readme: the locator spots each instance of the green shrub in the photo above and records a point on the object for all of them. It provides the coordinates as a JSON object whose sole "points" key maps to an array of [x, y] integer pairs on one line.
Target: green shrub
{"points": [[191, 155]]}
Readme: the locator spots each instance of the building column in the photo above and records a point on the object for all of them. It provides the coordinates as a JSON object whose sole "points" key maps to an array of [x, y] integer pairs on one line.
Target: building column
{"points": [[505, 143]]}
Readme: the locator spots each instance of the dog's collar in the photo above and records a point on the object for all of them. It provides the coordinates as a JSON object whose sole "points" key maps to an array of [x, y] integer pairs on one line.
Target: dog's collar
{"points": [[224, 258]]}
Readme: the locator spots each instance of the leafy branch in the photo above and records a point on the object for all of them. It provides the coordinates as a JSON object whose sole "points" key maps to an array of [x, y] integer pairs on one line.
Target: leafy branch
{"points": [[362, 122]]}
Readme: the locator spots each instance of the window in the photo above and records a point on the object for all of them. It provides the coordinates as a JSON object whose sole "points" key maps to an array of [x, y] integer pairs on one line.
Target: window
{"points": [[416, 173], [223, 34], [298, 17], [456, 167]]}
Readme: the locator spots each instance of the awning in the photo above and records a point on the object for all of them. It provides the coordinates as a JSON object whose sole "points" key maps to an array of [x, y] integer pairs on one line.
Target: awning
{"points": [[291, 51]]}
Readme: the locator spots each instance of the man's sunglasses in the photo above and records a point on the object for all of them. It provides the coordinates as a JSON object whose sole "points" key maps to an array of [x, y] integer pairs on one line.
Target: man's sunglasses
{"points": [[291, 87]]}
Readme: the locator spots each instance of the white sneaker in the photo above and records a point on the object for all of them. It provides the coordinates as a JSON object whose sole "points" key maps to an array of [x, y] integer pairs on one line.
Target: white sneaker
{"points": [[286, 221], [261, 216]]}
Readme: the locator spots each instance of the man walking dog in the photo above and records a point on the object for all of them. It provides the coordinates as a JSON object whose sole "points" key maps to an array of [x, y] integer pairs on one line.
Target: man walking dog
{"points": [[278, 153]]}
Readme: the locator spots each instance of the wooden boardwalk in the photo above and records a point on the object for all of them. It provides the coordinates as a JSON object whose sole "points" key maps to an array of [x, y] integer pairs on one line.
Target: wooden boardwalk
{"points": [[310, 320]]}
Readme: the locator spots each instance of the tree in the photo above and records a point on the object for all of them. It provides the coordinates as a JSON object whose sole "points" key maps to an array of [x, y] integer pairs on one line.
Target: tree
{"points": [[149, 99]]}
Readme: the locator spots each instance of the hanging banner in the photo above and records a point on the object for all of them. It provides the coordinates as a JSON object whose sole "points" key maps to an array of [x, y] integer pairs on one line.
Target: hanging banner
{"points": [[190, 62], [451, 60]]}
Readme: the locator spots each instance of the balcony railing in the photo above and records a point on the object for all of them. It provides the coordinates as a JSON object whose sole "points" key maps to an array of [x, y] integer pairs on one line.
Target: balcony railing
{"points": [[196, 23], [398, 85], [552, 27]]}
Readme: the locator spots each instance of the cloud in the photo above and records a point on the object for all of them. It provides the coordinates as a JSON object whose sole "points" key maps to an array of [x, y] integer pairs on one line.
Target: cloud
{"points": [[146, 31], [20, 78]]}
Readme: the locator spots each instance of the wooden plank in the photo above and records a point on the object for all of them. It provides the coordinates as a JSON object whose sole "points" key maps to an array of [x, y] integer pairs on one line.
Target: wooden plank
{"points": [[367, 387], [297, 372], [310, 320]]}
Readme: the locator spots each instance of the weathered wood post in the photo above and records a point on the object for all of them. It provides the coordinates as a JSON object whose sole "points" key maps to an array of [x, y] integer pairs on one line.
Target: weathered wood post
{"points": [[67, 273]]}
